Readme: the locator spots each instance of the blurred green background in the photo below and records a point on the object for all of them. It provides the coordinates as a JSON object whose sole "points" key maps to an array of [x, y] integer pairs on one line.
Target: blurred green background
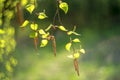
{"points": [[98, 22]]}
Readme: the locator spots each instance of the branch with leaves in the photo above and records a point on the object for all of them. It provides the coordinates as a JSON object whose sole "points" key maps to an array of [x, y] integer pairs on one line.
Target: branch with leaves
{"points": [[46, 35]]}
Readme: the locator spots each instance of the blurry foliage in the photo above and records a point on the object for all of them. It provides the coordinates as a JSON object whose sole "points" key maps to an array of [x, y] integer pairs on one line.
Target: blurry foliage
{"points": [[7, 41]]}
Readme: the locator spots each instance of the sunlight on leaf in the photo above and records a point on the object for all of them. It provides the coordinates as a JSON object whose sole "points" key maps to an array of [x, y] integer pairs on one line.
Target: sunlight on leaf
{"points": [[45, 35], [44, 43], [25, 23], [76, 55], [82, 51], [48, 28], [70, 56], [30, 8], [41, 31], [64, 6], [68, 46], [62, 28], [72, 32], [42, 15], [8, 67], [34, 26], [76, 40]]}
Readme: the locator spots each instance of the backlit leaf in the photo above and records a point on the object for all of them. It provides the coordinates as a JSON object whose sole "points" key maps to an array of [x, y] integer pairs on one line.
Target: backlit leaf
{"points": [[62, 28], [34, 26], [30, 8], [48, 28], [42, 15], [76, 33], [70, 56], [82, 51], [72, 32], [45, 35], [76, 55], [25, 23], [64, 6], [76, 40], [68, 46], [44, 43], [41, 31]]}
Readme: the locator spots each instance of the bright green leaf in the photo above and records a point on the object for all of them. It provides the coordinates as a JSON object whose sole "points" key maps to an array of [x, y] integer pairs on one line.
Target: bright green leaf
{"points": [[2, 43], [34, 26], [70, 32], [42, 15], [48, 28], [76, 55], [25, 23], [45, 35], [30, 7], [33, 34], [44, 43], [76, 34], [68, 46], [82, 51], [64, 6], [62, 28], [41, 31], [76, 40], [2, 31]]}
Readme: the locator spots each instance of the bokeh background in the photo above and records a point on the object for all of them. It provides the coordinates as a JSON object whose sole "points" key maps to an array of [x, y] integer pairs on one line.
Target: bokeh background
{"points": [[98, 22]]}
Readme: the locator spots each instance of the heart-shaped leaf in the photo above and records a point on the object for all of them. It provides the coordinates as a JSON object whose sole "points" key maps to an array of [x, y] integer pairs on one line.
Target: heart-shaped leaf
{"points": [[64, 6], [30, 8], [44, 43], [34, 26]]}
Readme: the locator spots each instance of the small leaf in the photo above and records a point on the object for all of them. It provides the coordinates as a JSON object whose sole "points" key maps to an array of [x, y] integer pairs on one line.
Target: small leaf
{"points": [[76, 33], [44, 43], [33, 35], [70, 56], [68, 46], [64, 6], [2, 31], [30, 8], [62, 28], [82, 51], [25, 23], [76, 40], [48, 28], [34, 26], [76, 55], [70, 32], [45, 35], [41, 31], [42, 15]]}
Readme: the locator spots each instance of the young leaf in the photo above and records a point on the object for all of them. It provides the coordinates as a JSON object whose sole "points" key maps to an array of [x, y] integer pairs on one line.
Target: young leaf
{"points": [[33, 35], [64, 6], [45, 35], [48, 28], [41, 31], [25, 23], [82, 51], [42, 15], [30, 8], [68, 46], [72, 32], [76, 55], [34, 26], [62, 28], [76, 40], [76, 34], [44, 43], [70, 56]]}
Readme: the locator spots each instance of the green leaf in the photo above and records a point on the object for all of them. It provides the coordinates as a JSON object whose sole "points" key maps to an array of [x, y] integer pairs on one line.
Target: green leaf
{"points": [[25, 23], [42, 15], [2, 43], [45, 35], [44, 43], [82, 51], [34, 26], [30, 8], [76, 34], [62, 28], [41, 31], [64, 6], [68, 46], [72, 32], [76, 40], [70, 56], [76, 55], [48, 28], [2, 31], [33, 34]]}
